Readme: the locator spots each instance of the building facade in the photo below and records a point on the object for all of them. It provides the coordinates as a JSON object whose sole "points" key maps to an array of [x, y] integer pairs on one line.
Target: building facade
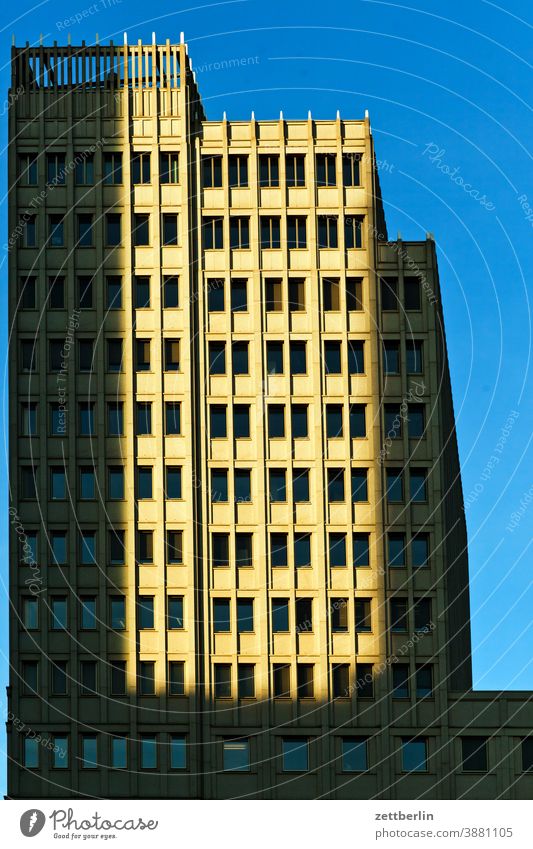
{"points": [[238, 548]]}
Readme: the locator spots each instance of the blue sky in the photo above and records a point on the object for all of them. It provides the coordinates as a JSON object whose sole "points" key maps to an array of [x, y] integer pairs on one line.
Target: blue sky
{"points": [[446, 86]]}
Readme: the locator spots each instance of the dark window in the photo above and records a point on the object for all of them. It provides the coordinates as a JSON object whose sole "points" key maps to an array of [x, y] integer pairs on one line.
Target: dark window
{"points": [[215, 295], [114, 354], [353, 231], [170, 291], [335, 485], [29, 418], [28, 355], [58, 483], [270, 231], [173, 475], [394, 485], [365, 680], [28, 484], [212, 171], [140, 168], [396, 550], [144, 482], [327, 231], [88, 672], [400, 681], [302, 550], [304, 678], [416, 421], [337, 549], [245, 615], [113, 168], [58, 613], [222, 680], [359, 485], [418, 485], [424, 681], [241, 421], [391, 358], [27, 170], [338, 610], [55, 231], [245, 680], [280, 615], [116, 482], [527, 754], [269, 170], [145, 544], [243, 550], [221, 615], [276, 421], [273, 295], [217, 421], [282, 680], [325, 169], [217, 358], [239, 232], [85, 230], [299, 421], [176, 678], [357, 421], [420, 549], [87, 483], [175, 612], [295, 752], [354, 294], [56, 350], [56, 293], [239, 297], [243, 486], [174, 547], [274, 357], [361, 550], [278, 550], [55, 169], [220, 546], [142, 350], [356, 357], [85, 293], [341, 680], [113, 234], [411, 288], [296, 295], [277, 485], [169, 167], [363, 621], [422, 612], [117, 611], [219, 485], [172, 355], [116, 546], [115, 418], [297, 352], [141, 289], [213, 233], [393, 421], [145, 612], [414, 360], [239, 357], [351, 164], [331, 294], [389, 293], [141, 229], [296, 231], [300, 485], [332, 357], [172, 418], [238, 171], [85, 354], [398, 615], [86, 418], [354, 754], [118, 677], [295, 169], [114, 293], [146, 683], [28, 293], [474, 754], [333, 421], [59, 677], [170, 228], [88, 613]]}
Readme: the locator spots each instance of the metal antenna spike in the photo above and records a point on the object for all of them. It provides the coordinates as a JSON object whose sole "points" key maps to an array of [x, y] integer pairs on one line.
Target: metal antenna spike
{"points": [[125, 38], [182, 38], [153, 38]]}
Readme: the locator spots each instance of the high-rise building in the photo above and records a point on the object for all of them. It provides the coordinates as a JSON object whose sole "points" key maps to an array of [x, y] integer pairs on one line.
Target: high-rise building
{"points": [[238, 547]]}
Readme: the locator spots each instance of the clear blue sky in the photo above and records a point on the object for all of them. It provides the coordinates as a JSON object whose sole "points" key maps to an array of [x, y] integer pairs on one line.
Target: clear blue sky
{"points": [[446, 86]]}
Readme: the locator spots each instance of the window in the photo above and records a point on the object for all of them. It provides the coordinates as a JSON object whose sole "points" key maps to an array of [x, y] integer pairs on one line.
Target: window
{"points": [[238, 171], [239, 357], [333, 421], [276, 421], [359, 485], [268, 170], [418, 488], [113, 233], [474, 754], [239, 232], [274, 351], [173, 489], [144, 482], [354, 294], [414, 755], [176, 678], [58, 613], [27, 170], [239, 295], [304, 678], [361, 550], [297, 355], [398, 615], [527, 754], [365, 681], [273, 295], [400, 680], [88, 613], [222, 680], [363, 622], [55, 354], [170, 291], [145, 612], [356, 357], [140, 168], [212, 171], [389, 293], [30, 613], [217, 421], [270, 231], [424, 681], [337, 550], [170, 229], [296, 231], [351, 165], [281, 680], [220, 548], [215, 295], [221, 616], [172, 418], [28, 482], [243, 550], [56, 293], [354, 754], [115, 418], [145, 543], [28, 416], [148, 748], [393, 421], [416, 421], [116, 546], [411, 289], [84, 230], [394, 481], [55, 231], [58, 548], [391, 358], [142, 354], [175, 613], [28, 293], [60, 759], [420, 550], [422, 614], [357, 421], [339, 615], [331, 294], [174, 547], [141, 229], [325, 169], [277, 485], [327, 231], [143, 418], [178, 751], [86, 418], [55, 169], [28, 355], [114, 355], [246, 680], [30, 677], [113, 168], [280, 615], [213, 233], [85, 292], [341, 680], [217, 358], [89, 754], [87, 546], [304, 615], [396, 549], [332, 357], [296, 295], [86, 354], [243, 489], [117, 612], [278, 550], [219, 485], [172, 355], [58, 419], [119, 752], [141, 292], [116, 483], [58, 483], [59, 677], [245, 615], [118, 677], [353, 231], [168, 167], [299, 421], [335, 485], [302, 550], [295, 754], [113, 293], [295, 169], [414, 361]]}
